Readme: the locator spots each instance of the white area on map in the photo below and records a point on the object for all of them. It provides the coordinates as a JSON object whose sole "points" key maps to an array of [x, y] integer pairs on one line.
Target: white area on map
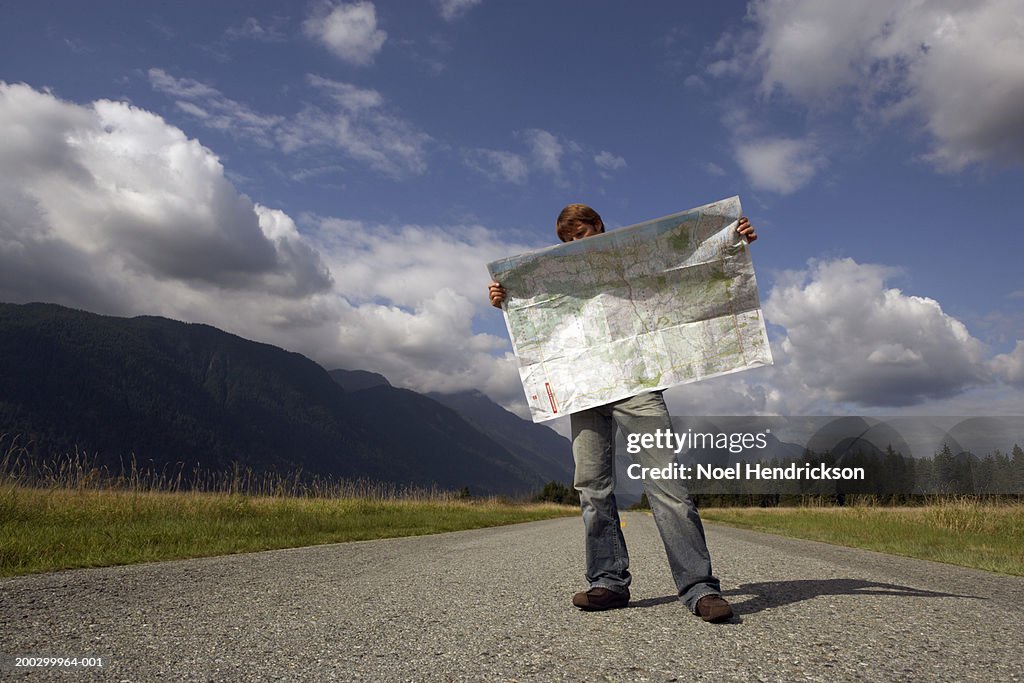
{"points": [[665, 302]]}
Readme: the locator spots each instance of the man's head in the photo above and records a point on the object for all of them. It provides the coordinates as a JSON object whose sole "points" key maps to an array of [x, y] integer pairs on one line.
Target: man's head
{"points": [[578, 221]]}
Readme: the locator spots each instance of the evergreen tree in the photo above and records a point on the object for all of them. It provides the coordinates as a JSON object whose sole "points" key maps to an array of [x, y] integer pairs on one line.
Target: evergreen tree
{"points": [[1017, 484]]}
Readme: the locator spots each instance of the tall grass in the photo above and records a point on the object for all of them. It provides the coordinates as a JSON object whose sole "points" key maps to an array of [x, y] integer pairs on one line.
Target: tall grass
{"points": [[78, 471], [971, 532], [63, 513]]}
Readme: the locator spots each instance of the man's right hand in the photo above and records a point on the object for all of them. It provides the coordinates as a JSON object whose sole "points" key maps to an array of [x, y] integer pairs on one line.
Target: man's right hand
{"points": [[497, 294]]}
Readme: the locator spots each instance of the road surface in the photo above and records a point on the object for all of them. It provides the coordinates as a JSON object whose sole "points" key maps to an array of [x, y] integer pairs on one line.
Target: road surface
{"points": [[494, 604]]}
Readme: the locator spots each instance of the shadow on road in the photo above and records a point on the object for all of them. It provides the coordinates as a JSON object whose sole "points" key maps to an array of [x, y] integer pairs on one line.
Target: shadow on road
{"points": [[770, 594]]}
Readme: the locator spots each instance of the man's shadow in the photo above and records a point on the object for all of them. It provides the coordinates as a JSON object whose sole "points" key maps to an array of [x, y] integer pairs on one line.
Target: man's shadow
{"points": [[771, 594]]}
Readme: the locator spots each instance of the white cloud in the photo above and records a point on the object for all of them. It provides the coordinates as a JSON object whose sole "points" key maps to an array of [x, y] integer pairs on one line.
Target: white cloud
{"points": [[185, 88], [714, 169], [694, 81], [748, 393], [107, 207], [1010, 366], [848, 343], [781, 165], [609, 161], [433, 281], [358, 123], [543, 153], [453, 9], [813, 49], [350, 97], [400, 262], [253, 29], [115, 185], [211, 107], [361, 127], [545, 150], [850, 339], [499, 165], [347, 30], [958, 67]]}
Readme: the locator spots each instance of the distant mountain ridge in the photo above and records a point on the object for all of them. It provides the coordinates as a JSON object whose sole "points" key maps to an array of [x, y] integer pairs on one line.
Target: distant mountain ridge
{"points": [[357, 380], [172, 392], [548, 453]]}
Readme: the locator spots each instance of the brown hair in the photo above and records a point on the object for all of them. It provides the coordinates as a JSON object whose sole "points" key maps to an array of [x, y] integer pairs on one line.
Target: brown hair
{"points": [[574, 214]]}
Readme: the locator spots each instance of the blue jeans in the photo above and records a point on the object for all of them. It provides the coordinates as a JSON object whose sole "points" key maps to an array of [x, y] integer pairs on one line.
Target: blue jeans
{"points": [[593, 449]]}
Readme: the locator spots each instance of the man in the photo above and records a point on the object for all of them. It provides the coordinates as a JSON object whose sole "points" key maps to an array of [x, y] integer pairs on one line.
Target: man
{"points": [[593, 448]]}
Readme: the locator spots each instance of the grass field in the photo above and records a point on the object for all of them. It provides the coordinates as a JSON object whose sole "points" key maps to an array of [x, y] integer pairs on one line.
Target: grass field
{"points": [[48, 529], [964, 532], [67, 513]]}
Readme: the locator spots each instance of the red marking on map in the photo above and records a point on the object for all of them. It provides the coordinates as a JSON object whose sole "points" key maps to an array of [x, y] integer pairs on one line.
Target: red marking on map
{"points": [[551, 397]]}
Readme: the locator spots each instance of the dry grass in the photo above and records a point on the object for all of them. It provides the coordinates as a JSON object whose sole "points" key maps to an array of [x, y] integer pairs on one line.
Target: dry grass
{"points": [[962, 531], [67, 513], [78, 471]]}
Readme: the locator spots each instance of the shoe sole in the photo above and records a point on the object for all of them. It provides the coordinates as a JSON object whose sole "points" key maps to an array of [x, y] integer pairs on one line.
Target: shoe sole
{"points": [[717, 618], [587, 607], [592, 608]]}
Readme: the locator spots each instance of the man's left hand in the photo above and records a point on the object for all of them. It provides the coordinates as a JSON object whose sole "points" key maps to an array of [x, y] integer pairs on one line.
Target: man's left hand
{"points": [[746, 229]]}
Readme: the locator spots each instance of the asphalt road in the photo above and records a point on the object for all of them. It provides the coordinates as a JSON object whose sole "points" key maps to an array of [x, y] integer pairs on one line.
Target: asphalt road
{"points": [[494, 604]]}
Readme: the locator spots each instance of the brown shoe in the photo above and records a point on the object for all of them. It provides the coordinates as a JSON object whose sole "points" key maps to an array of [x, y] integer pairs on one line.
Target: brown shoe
{"points": [[714, 608], [597, 599]]}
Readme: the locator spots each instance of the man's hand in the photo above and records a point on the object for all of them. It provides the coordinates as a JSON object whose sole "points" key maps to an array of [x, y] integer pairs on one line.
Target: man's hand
{"points": [[746, 229], [497, 294]]}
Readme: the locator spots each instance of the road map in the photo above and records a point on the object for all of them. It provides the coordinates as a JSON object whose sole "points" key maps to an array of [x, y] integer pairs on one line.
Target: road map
{"points": [[665, 302]]}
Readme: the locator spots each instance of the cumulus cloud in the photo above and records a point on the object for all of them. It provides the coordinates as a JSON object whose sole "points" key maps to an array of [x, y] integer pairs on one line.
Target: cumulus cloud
{"points": [[349, 31], [813, 49], [748, 393], [109, 208], [1010, 366], [781, 165], [453, 9], [851, 339], [398, 262], [958, 67], [433, 281], [115, 185], [844, 341]]}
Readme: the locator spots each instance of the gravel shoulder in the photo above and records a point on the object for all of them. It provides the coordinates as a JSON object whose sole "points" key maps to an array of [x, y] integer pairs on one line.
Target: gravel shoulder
{"points": [[494, 604]]}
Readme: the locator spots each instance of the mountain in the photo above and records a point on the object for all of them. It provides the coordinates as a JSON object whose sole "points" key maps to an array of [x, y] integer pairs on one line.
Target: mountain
{"points": [[449, 448], [169, 392], [357, 380], [546, 452]]}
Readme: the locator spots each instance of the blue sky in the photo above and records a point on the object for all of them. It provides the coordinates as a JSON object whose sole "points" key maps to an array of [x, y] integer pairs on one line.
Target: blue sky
{"points": [[332, 177]]}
